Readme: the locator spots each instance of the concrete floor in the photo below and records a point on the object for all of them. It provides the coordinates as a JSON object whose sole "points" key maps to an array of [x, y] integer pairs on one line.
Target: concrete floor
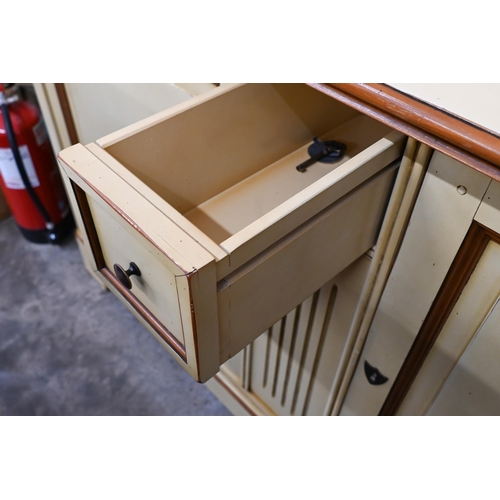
{"points": [[67, 347]]}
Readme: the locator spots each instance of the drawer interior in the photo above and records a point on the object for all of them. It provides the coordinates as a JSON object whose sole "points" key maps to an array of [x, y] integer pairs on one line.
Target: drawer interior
{"points": [[229, 161]]}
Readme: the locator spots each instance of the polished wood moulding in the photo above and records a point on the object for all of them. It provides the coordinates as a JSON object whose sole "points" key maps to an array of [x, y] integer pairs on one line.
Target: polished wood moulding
{"points": [[453, 136], [67, 113], [220, 380]]}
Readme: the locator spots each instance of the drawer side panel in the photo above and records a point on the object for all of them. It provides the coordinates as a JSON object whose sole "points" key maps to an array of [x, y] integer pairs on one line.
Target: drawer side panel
{"points": [[258, 295]]}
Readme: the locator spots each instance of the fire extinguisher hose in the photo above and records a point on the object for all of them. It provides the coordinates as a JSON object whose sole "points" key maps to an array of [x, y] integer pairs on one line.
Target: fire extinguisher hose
{"points": [[49, 224]]}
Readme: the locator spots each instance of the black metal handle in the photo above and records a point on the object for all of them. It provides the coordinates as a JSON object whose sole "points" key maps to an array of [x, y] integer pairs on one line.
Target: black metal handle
{"points": [[327, 151], [303, 166], [124, 275]]}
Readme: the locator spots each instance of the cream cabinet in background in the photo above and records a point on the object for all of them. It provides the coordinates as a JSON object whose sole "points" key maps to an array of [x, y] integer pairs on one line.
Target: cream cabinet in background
{"points": [[333, 291], [83, 112]]}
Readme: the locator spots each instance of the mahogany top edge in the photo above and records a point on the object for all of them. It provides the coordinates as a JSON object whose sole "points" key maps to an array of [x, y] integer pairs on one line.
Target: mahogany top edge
{"points": [[466, 142]]}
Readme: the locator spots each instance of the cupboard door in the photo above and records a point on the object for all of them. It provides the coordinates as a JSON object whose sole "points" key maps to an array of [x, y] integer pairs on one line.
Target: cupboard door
{"points": [[440, 220], [467, 307], [458, 374], [473, 386]]}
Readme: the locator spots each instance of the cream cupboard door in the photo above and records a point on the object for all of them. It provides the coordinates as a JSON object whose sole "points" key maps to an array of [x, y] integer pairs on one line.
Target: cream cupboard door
{"points": [[473, 386], [460, 374], [438, 225], [457, 369]]}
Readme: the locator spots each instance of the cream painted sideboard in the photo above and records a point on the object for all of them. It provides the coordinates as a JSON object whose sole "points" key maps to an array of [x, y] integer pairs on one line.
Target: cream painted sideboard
{"points": [[429, 341], [324, 293]]}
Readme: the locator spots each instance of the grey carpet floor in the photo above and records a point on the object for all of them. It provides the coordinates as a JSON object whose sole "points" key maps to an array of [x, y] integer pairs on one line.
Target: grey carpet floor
{"points": [[67, 347]]}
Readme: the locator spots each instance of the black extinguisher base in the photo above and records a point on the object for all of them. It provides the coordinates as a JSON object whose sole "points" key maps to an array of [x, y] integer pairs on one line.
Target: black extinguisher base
{"points": [[57, 236]]}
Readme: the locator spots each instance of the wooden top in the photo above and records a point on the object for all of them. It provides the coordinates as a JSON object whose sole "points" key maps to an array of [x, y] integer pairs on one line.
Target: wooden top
{"points": [[442, 128], [477, 103]]}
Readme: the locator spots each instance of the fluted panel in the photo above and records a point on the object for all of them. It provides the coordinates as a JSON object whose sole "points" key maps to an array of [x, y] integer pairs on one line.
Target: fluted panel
{"points": [[292, 366]]}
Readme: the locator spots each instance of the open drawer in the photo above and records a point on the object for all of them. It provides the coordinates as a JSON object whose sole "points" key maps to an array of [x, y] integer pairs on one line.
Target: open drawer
{"points": [[226, 234]]}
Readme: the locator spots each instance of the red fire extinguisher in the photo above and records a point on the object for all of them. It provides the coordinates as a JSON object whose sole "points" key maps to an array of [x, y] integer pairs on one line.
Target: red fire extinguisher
{"points": [[29, 176]]}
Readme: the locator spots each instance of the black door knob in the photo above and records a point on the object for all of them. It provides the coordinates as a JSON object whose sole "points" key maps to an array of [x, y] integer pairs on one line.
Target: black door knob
{"points": [[123, 275]]}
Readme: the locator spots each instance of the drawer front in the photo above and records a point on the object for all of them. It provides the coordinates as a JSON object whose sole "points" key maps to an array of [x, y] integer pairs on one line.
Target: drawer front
{"points": [[156, 287], [175, 295]]}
